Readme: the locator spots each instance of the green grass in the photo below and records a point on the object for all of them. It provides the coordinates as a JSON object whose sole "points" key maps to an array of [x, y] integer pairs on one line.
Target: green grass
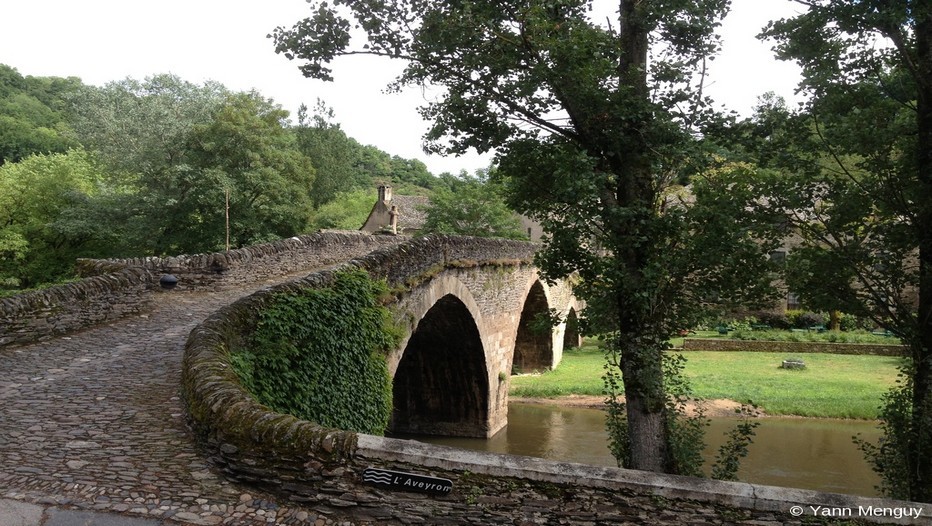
{"points": [[831, 385]]}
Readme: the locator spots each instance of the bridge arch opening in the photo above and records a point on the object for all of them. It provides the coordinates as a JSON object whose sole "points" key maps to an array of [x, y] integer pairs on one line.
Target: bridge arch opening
{"points": [[441, 386], [534, 340], [571, 337]]}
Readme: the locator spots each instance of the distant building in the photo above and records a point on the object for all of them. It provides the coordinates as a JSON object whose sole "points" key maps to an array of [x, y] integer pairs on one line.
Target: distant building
{"points": [[397, 214], [405, 214]]}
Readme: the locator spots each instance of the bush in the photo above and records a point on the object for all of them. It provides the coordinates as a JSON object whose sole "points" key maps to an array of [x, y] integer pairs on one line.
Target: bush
{"points": [[776, 320], [809, 319]]}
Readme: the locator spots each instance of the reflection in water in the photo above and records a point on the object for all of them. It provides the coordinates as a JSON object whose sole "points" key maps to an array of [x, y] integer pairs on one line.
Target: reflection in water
{"points": [[813, 454]]}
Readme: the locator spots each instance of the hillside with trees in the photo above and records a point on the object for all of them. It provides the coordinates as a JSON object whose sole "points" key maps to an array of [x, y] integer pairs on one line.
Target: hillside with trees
{"points": [[150, 167]]}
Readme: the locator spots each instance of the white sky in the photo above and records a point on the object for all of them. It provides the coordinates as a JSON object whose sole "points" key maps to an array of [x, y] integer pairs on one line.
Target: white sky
{"points": [[225, 40]]}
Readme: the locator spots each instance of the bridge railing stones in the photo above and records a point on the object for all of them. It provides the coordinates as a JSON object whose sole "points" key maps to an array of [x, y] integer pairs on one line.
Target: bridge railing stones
{"points": [[252, 263], [37, 315], [113, 288], [323, 468]]}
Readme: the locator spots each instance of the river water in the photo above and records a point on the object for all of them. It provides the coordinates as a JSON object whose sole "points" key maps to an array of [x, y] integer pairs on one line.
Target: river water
{"points": [[815, 454]]}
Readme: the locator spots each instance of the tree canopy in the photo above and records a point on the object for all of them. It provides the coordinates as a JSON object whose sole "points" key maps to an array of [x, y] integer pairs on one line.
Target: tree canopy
{"points": [[855, 181], [471, 206], [162, 153], [47, 217], [32, 117]]}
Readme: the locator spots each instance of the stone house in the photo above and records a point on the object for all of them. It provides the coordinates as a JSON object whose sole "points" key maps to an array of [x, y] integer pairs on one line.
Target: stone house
{"points": [[396, 214], [405, 214]]}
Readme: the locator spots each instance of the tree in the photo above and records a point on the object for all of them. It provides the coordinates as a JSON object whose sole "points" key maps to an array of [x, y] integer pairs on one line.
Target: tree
{"points": [[142, 126], [31, 115], [183, 146], [471, 206], [48, 217], [245, 149], [862, 158], [331, 151], [142, 129], [592, 138]]}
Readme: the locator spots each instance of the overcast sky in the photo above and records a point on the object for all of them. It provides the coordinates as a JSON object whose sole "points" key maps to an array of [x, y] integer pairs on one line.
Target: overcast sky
{"points": [[225, 40]]}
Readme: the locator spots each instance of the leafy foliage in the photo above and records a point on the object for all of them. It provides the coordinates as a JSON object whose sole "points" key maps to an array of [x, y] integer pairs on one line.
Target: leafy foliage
{"points": [[890, 455], [185, 145], [685, 432], [319, 354], [855, 183], [246, 150], [472, 206], [32, 116], [730, 453], [49, 216], [332, 153]]}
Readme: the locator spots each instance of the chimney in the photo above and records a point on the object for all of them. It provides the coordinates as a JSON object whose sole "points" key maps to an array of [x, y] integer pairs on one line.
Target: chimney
{"points": [[385, 193]]}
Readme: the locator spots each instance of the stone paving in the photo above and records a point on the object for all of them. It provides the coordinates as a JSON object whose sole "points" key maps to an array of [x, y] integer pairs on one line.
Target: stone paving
{"points": [[92, 423]]}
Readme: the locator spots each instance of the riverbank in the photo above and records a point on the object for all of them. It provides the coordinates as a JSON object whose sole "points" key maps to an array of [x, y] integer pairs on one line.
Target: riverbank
{"points": [[830, 386], [719, 408]]}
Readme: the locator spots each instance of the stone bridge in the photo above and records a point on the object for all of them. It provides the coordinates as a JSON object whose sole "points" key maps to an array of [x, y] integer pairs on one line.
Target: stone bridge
{"points": [[99, 415], [470, 326]]}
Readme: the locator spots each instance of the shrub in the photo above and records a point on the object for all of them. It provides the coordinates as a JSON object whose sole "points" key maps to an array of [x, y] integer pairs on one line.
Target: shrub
{"points": [[776, 320], [809, 319]]}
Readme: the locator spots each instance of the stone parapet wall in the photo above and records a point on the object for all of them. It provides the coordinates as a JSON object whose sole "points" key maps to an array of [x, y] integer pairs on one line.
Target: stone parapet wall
{"points": [[114, 288], [420, 257], [714, 344], [253, 263], [37, 315], [323, 468]]}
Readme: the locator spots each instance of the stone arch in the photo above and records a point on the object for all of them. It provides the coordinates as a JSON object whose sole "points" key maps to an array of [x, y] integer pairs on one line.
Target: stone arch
{"points": [[533, 342], [441, 384], [571, 337]]}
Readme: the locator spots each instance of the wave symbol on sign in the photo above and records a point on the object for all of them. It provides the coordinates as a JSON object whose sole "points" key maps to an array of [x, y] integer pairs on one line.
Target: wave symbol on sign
{"points": [[377, 477]]}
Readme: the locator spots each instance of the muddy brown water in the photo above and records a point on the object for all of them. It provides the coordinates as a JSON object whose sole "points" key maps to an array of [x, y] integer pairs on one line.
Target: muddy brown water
{"points": [[806, 453]]}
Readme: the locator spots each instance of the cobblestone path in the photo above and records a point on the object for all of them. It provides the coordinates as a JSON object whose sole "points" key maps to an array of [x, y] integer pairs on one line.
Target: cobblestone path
{"points": [[93, 421]]}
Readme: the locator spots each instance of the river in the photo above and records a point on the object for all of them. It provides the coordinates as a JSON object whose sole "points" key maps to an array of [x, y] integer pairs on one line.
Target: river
{"points": [[807, 453]]}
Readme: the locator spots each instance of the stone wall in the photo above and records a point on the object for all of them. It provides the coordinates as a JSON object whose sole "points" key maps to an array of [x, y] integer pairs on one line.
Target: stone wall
{"points": [[38, 315], [253, 263], [114, 288], [323, 468], [715, 344]]}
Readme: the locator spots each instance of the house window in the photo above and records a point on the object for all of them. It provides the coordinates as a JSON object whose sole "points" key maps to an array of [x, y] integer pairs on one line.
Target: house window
{"points": [[778, 256]]}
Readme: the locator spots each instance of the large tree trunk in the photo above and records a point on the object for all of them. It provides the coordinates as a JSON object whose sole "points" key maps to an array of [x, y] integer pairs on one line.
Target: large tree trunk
{"points": [[921, 460], [640, 357], [645, 412]]}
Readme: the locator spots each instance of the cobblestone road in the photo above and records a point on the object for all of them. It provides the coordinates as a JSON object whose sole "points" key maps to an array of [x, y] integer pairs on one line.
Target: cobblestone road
{"points": [[93, 421]]}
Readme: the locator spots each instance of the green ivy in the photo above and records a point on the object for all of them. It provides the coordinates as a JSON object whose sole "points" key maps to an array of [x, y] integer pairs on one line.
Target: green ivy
{"points": [[319, 354]]}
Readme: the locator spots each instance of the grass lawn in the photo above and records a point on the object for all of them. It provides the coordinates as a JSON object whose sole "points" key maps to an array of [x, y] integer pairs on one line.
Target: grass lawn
{"points": [[831, 385]]}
